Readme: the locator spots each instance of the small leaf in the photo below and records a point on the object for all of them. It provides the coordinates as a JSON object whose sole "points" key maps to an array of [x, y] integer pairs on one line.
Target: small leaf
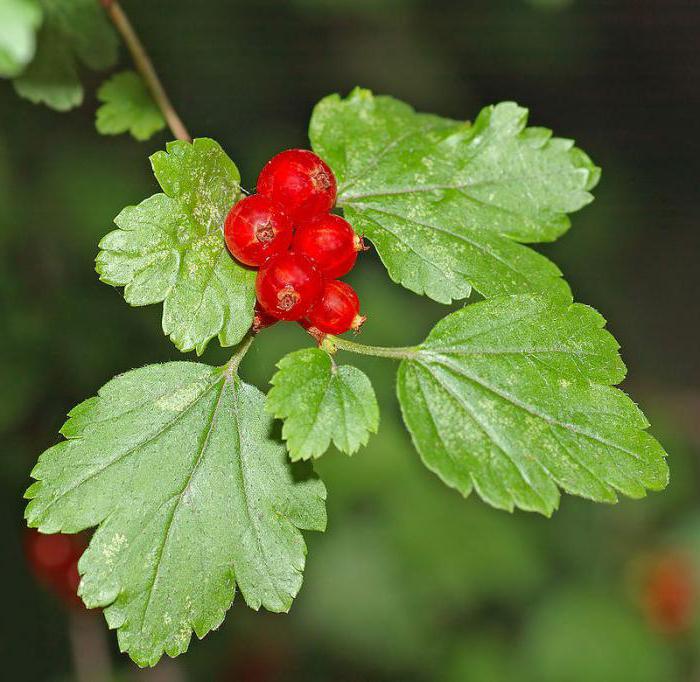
{"points": [[171, 248], [19, 22], [72, 30], [52, 77], [127, 107], [320, 403], [445, 203], [512, 396], [175, 466]]}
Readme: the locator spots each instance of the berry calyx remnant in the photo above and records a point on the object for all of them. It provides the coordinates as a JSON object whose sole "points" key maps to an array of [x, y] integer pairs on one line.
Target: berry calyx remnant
{"points": [[337, 309], [301, 181], [256, 229], [330, 243], [287, 286]]}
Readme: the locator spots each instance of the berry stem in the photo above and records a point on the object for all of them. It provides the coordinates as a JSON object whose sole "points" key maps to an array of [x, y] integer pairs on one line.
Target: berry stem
{"points": [[397, 353], [145, 67]]}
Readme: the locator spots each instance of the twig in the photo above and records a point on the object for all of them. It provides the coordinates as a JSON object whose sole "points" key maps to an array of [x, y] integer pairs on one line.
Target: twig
{"points": [[89, 646], [144, 66]]}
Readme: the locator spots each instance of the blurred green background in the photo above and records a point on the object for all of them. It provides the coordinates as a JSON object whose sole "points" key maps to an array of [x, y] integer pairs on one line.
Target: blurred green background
{"points": [[410, 582]]}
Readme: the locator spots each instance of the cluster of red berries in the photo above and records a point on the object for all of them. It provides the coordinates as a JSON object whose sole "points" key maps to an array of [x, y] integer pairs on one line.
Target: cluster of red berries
{"points": [[53, 559], [300, 247]]}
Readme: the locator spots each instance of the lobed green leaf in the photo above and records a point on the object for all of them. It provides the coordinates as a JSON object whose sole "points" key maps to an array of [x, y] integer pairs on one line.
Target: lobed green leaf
{"points": [[170, 248], [127, 106], [321, 402], [72, 31], [191, 496], [448, 204], [513, 397], [19, 22]]}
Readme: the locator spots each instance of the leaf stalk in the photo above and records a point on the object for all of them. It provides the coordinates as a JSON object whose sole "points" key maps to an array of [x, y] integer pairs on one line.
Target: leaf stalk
{"points": [[333, 343], [230, 369]]}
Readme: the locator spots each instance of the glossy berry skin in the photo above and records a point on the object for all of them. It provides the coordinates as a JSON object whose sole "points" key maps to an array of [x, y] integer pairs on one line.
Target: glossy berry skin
{"points": [[300, 181], [256, 229], [330, 243], [337, 309], [287, 286]]}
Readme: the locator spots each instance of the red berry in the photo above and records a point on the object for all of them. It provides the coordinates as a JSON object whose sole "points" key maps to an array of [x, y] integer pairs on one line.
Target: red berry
{"points": [[287, 286], [330, 243], [47, 553], [301, 181], [69, 585], [337, 310], [669, 594], [256, 229], [54, 561]]}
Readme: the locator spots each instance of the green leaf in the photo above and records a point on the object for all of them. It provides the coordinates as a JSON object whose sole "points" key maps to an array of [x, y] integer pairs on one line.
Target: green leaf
{"points": [[513, 397], [128, 107], [445, 203], [321, 402], [176, 467], [19, 22], [52, 77], [73, 30], [170, 248]]}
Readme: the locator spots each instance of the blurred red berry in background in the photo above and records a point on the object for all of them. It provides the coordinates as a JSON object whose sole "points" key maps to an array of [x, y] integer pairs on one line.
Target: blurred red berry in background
{"points": [[668, 596], [53, 559]]}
